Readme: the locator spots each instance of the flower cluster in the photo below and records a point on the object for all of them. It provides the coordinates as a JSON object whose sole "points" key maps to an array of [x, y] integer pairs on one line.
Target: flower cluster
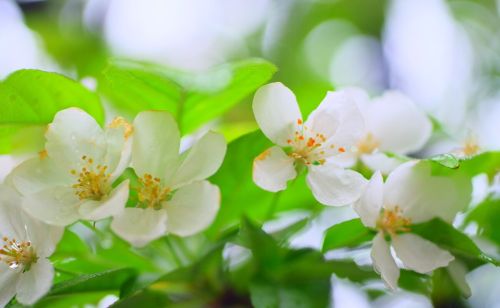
{"points": [[346, 129], [77, 177]]}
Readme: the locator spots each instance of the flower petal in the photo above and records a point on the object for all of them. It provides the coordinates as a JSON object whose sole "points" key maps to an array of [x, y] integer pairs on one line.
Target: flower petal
{"points": [[11, 215], [422, 196], [371, 201], [380, 162], [8, 281], [272, 169], [397, 123], [112, 206], [36, 282], [118, 150], [155, 148], [192, 208], [339, 109], [73, 134], [276, 111], [335, 186], [383, 262], [339, 119], [202, 160], [55, 206], [35, 174], [140, 226], [419, 254]]}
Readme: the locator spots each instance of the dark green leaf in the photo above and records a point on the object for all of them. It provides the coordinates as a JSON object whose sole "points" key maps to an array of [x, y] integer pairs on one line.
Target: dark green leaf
{"points": [[349, 233], [487, 216]]}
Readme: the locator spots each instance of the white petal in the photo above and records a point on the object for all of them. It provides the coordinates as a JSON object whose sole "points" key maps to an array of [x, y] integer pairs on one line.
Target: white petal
{"points": [[11, 214], [16, 223], [276, 111], [112, 206], [202, 160], [8, 282], [345, 117], [338, 113], [371, 201], [383, 262], [335, 186], [56, 206], [272, 169], [381, 162], [419, 254], [35, 174], [155, 148], [118, 150], [422, 196], [36, 282], [397, 123], [140, 226], [192, 208], [73, 134]]}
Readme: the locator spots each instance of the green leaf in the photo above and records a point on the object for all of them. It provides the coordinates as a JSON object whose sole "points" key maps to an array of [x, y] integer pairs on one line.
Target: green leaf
{"points": [[105, 281], [349, 233], [488, 162], [194, 99], [449, 238], [487, 215], [29, 99]]}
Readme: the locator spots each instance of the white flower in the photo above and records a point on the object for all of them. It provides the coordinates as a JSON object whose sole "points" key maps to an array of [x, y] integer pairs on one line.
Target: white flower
{"points": [[323, 144], [393, 124], [410, 195], [173, 196], [72, 179], [25, 270]]}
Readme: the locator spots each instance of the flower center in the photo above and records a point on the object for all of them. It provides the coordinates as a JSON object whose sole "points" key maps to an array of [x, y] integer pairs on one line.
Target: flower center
{"points": [[93, 181], [17, 254], [308, 146], [393, 221], [151, 193], [471, 147], [368, 144]]}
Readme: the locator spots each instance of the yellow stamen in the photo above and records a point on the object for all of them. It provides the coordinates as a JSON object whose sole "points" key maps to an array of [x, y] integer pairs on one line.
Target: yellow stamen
{"points": [[151, 194], [392, 221], [17, 254], [93, 182], [263, 155], [43, 154], [121, 122]]}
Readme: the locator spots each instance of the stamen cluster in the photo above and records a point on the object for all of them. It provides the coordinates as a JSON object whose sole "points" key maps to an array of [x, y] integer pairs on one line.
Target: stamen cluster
{"points": [[17, 254], [151, 193], [93, 182]]}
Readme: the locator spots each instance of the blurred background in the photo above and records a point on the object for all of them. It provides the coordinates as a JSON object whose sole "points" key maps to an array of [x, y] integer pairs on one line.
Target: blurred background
{"points": [[445, 55]]}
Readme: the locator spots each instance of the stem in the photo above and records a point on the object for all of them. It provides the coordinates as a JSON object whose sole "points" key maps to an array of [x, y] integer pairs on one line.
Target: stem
{"points": [[93, 227], [177, 258], [273, 205], [185, 250]]}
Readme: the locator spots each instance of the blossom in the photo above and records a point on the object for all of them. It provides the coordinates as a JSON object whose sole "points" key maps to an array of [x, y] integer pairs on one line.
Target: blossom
{"points": [[411, 195], [323, 144], [173, 195], [393, 124], [72, 178], [25, 271]]}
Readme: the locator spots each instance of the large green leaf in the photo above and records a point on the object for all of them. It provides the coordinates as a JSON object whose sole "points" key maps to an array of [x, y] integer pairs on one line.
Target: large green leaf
{"points": [[447, 164], [29, 99], [487, 215], [349, 233], [449, 238], [193, 98]]}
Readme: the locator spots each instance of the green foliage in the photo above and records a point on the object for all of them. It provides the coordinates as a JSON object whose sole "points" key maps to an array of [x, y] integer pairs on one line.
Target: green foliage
{"points": [[349, 233], [487, 215], [193, 98], [29, 99]]}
